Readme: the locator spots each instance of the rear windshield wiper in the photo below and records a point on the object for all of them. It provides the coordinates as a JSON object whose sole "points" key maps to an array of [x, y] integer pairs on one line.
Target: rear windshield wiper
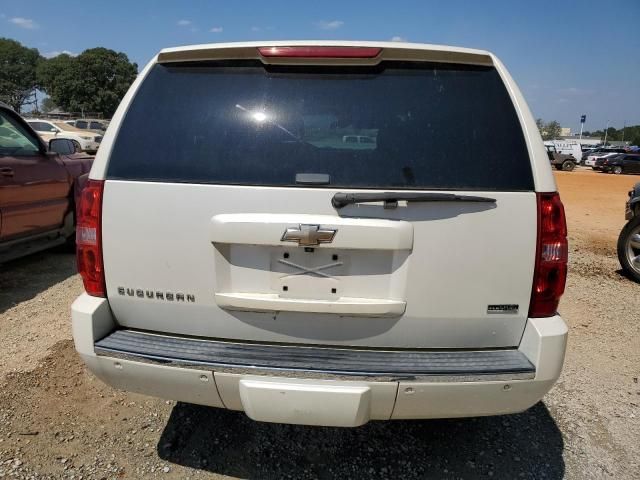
{"points": [[391, 199]]}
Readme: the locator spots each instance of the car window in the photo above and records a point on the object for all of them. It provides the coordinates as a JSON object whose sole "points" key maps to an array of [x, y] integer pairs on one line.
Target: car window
{"points": [[15, 139], [81, 124], [49, 127], [427, 125], [40, 126], [96, 126]]}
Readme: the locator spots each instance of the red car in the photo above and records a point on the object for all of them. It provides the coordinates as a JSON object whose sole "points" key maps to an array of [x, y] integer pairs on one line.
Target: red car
{"points": [[39, 185]]}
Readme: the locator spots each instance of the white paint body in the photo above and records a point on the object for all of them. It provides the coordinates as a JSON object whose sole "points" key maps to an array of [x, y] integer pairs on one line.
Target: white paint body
{"points": [[335, 402], [567, 147], [418, 276]]}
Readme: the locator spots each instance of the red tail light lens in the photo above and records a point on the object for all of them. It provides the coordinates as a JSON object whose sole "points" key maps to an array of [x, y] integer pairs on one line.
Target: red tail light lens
{"points": [[320, 52], [550, 273], [89, 238]]}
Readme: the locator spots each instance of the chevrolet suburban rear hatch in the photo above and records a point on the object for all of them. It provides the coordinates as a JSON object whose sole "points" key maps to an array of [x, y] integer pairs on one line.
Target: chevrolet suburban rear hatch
{"points": [[373, 198]]}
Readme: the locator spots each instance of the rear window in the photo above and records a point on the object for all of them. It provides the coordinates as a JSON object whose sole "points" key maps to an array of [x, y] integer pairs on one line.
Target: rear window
{"points": [[402, 125]]}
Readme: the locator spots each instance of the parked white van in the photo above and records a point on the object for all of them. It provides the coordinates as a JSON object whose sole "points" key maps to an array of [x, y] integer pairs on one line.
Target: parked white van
{"points": [[237, 252]]}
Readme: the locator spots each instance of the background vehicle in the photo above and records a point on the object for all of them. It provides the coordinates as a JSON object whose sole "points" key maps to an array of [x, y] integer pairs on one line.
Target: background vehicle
{"points": [[38, 188], [622, 163], [566, 147], [629, 239], [367, 140], [593, 157], [83, 139], [560, 161], [601, 162], [586, 153], [95, 125], [320, 283], [588, 148]]}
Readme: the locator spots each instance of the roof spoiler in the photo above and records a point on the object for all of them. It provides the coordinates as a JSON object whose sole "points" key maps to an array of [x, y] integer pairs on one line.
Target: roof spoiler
{"points": [[384, 51]]}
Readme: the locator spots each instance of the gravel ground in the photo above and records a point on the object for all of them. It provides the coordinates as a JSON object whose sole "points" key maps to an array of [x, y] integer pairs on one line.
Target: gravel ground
{"points": [[58, 421]]}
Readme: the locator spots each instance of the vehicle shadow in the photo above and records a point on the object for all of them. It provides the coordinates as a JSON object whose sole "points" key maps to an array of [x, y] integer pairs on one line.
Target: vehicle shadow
{"points": [[24, 278], [525, 445], [624, 274]]}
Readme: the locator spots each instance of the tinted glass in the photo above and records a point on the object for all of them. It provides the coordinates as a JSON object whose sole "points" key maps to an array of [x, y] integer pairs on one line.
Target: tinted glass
{"points": [[96, 126], [40, 126], [398, 125], [14, 139], [80, 124]]}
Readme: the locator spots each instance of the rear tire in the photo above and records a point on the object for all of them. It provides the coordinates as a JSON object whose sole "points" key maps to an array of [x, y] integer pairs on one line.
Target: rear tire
{"points": [[568, 165], [629, 248], [617, 170]]}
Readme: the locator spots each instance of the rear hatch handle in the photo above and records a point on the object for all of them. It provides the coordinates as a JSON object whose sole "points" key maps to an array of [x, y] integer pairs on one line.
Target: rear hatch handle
{"points": [[391, 199]]}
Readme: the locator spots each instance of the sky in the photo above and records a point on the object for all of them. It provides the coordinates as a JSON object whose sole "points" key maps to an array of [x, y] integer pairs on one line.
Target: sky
{"points": [[568, 57]]}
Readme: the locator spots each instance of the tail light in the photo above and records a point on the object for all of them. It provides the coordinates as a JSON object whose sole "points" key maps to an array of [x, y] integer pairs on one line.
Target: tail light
{"points": [[550, 273], [89, 238], [320, 52]]}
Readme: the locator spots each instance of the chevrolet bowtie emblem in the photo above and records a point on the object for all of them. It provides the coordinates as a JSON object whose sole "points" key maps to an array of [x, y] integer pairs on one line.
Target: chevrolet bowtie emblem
{"points": [[307, 235]]}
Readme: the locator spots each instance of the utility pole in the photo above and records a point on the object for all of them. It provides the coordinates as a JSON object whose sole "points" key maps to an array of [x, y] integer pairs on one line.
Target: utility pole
{"points": [[624, 127], [606, 130]]}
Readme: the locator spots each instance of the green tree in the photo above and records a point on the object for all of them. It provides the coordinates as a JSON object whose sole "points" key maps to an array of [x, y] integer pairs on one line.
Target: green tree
{"points": [[548, 131], [612, 134], [60, 78], [95, 81], [17, 72], [47, 105], [631, 134], [551, 130]]}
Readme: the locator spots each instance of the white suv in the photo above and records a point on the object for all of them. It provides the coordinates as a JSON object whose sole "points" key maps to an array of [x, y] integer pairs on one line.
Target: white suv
{"points": [[247, 257], [82, 139]]}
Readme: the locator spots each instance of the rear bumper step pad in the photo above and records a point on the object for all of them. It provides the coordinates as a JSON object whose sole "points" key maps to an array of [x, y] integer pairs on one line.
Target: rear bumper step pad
{"points": [[337, 361]]}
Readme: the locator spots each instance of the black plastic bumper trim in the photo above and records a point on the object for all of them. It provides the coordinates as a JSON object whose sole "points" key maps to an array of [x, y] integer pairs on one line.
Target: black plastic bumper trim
{"points": [[328, 360]]}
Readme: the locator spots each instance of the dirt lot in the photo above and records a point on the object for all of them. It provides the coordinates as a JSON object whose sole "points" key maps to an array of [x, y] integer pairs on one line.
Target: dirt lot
{"points": [[57, 421]]}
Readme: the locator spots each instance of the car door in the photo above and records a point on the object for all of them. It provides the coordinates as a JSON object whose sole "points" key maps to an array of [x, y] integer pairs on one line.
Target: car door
{"points": [[34, 187], [632, 164]]}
